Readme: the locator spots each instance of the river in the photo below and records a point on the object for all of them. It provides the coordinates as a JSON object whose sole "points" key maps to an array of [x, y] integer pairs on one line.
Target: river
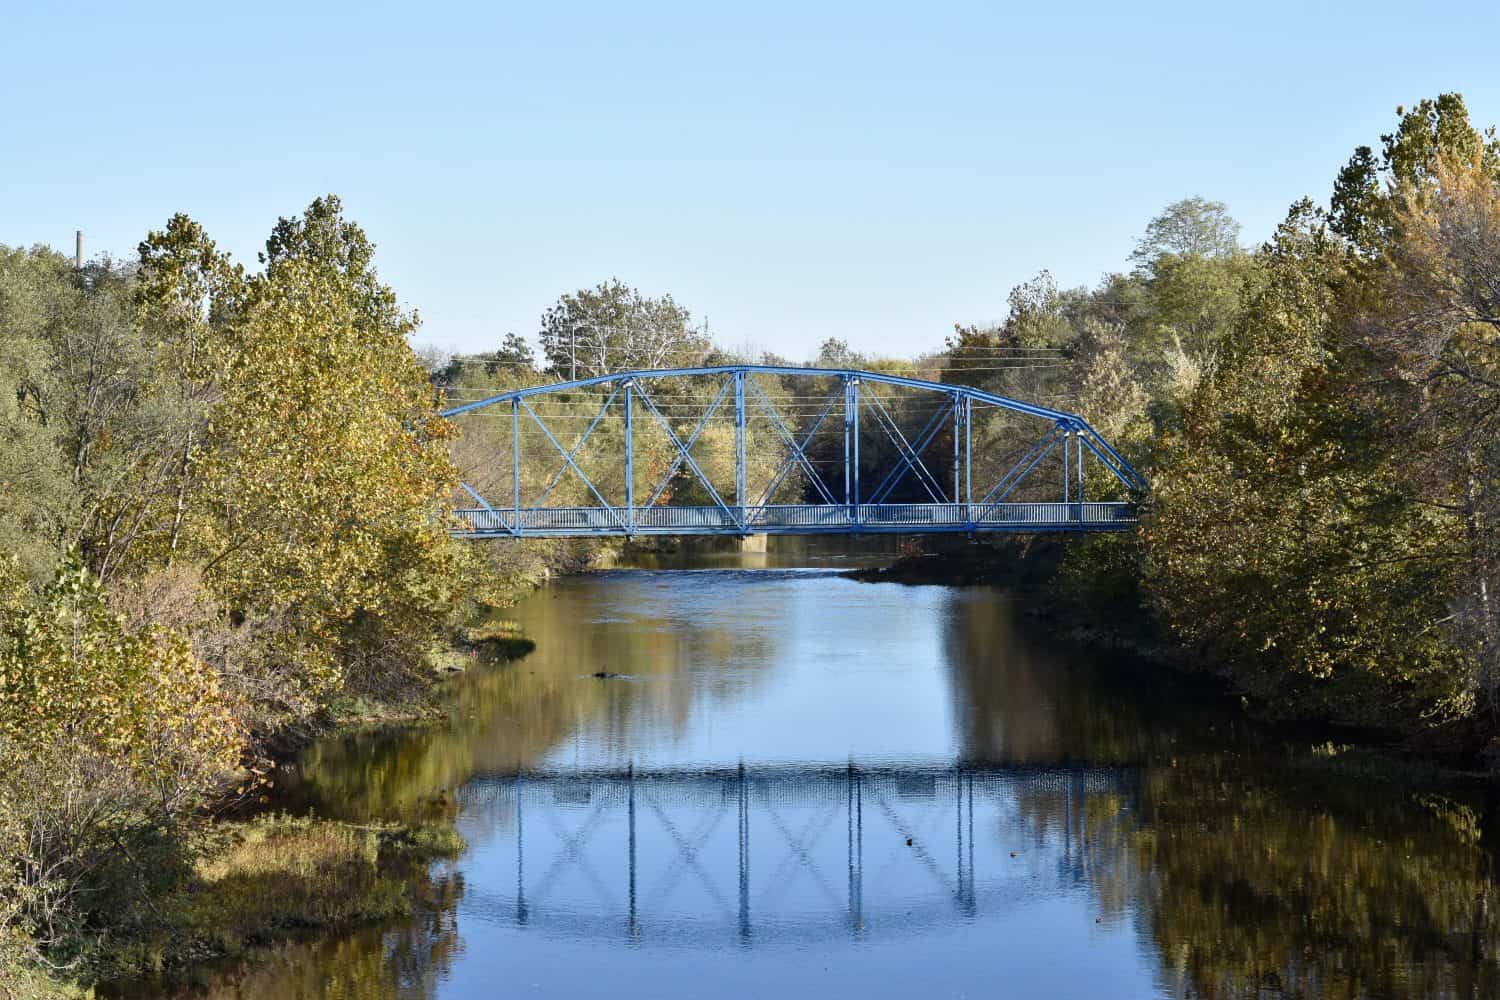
{"points": [[796, 785]]}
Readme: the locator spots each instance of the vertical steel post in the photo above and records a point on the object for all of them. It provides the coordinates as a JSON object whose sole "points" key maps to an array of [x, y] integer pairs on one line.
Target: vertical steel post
{"points": [[515, 459], [1079, 463], [854, 393], [629, 462], [957, 419], [1067, 442], [848, 423], [968, 459], [739, 444]]}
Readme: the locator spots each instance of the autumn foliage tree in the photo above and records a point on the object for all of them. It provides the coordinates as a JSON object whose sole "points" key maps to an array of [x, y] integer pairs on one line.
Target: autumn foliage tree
{"points": [[327, 466]]}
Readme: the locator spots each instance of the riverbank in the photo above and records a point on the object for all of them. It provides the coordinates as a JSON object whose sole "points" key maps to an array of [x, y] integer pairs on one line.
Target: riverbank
{"points": [[259, 878], [1120, 624], [256, 883]]}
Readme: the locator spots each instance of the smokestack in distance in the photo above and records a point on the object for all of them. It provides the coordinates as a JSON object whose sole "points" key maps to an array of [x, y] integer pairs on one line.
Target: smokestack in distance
{"points": [[78, 250]]}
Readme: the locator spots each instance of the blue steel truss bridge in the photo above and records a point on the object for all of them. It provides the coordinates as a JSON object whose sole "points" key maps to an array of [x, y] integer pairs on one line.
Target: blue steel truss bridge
{"points": [[759, 449]]}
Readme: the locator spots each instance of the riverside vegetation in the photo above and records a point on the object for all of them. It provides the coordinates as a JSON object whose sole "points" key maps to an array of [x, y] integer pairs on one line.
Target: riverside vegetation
{"points": [[224, 501], [1319, 422], [222, 528]]}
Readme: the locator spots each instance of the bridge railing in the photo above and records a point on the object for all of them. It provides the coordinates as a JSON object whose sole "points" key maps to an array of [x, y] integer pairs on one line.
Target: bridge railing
{"points": [[799, 518]]}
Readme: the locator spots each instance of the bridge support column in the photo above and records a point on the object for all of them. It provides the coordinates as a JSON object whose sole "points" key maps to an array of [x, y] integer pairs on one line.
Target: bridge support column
{"points": [[958, 416], [753, 543], [1067, 444]]}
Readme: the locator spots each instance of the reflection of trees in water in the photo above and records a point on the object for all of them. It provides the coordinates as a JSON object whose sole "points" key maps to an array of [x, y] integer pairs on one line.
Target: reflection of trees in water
{"points": [[1314, 884], [1021, 697], [1253, 876], [500, 717], [406, 959], [648, 627]]}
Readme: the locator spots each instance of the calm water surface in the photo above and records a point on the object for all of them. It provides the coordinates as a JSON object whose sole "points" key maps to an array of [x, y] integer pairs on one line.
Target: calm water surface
{"points": [[802, 786]]}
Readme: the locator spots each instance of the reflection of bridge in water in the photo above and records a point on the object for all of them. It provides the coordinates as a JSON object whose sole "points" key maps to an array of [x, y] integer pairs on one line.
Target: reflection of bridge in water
{"points": [[781, 853]]}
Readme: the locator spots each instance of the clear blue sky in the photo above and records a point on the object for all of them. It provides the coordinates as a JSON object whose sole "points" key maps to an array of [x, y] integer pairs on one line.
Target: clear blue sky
{"points": [[870, 172]]}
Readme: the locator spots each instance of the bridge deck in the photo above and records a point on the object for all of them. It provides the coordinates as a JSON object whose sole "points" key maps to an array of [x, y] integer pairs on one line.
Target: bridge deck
{"points": [[793, 519]]}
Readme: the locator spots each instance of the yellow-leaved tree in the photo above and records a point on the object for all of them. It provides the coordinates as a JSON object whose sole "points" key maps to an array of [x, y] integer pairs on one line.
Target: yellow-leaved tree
{"points": [[109, 737], [327, 468]]}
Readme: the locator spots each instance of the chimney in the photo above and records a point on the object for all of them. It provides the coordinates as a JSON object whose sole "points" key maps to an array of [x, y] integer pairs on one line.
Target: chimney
{"points": [[78, 250]]}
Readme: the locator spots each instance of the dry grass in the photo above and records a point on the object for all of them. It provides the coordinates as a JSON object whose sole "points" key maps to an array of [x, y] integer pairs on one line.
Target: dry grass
{"points": [[281, 873]]}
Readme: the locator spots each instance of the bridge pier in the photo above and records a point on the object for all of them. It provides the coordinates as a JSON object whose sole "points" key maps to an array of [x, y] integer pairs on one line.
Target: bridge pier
{"points": [[753, 543]]}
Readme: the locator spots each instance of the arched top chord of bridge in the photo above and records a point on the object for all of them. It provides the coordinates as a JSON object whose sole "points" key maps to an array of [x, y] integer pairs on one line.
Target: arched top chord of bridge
{"points": [[761, 449]]}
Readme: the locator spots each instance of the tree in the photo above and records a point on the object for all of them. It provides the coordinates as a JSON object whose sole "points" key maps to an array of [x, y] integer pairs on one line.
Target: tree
{"points": [[1438, 333], [1282, 542], [1192, 227], [1191, 271], [514, 359], [328, 469], [108, 738], [836, 353], [1366, 193], [613, 328], [38, 495]]}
